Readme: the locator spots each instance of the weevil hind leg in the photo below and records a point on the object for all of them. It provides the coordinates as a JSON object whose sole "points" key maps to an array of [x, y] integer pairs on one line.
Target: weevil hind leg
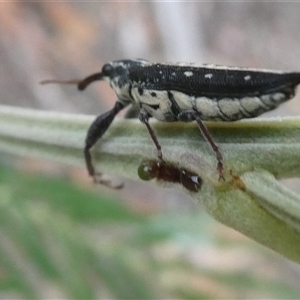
{"points": [[193, 115], [144, 118], [96, 131], [209, 138]]}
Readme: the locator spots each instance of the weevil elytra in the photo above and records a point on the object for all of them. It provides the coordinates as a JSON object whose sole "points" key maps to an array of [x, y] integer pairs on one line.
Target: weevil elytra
{"points": [[186, 92], [162, 171]]}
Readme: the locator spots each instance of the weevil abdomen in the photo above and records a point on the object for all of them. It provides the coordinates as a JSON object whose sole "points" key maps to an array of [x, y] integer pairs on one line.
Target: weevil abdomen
{"points": [[167, 105], [233, 109]]}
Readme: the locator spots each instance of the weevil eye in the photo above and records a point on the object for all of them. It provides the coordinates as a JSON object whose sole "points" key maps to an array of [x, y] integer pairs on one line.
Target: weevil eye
{"points": [[107, 70]]}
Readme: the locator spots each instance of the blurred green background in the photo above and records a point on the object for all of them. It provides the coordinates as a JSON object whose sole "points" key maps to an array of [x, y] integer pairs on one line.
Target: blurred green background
{"points": [[62, 237]]}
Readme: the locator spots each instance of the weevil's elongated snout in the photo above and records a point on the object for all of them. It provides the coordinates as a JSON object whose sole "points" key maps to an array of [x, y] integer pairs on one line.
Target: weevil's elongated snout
{"points": [[88, 80], [81, 84]]}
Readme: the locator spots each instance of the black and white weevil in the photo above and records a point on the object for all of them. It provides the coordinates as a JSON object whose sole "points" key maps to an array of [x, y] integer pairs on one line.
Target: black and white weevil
{"points": [[187, 92]]}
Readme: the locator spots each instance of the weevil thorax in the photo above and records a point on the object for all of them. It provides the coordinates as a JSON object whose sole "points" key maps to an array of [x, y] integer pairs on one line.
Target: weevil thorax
{"points": [[116, 73]]}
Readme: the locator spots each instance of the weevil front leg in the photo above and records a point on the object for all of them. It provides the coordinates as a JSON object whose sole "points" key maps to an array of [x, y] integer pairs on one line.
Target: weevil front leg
{"points": [[144, 118], [193, 115], [96, 131]]}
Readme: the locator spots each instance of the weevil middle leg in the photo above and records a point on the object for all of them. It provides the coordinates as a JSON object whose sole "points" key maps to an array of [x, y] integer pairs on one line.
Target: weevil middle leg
{"points": [[144, 118]]}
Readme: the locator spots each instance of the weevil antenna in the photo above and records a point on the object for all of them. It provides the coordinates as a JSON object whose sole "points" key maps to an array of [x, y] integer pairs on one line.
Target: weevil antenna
{"points": [[81, 84], [88, 80]]}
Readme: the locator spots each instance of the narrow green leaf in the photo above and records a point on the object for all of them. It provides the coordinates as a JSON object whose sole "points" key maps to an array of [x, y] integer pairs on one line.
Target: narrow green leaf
{"points": [[252, 202]]}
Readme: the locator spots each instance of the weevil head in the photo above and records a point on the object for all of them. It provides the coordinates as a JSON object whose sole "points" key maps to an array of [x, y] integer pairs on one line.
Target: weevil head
{"points": [[116, 73], [113, 72], [119, 69]]}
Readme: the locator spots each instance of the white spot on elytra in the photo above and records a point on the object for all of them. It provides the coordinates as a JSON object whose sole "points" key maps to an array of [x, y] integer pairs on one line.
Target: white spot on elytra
{"points": [[248, 77], [209, 75], [188, 73]]}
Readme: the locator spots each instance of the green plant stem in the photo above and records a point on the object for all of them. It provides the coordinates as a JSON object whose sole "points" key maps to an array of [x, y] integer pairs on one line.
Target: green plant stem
{"points": [[256, 151]]}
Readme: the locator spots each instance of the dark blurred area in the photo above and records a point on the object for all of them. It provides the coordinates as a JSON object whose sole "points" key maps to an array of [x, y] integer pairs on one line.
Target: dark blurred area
{"points": [[70, 40]]}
